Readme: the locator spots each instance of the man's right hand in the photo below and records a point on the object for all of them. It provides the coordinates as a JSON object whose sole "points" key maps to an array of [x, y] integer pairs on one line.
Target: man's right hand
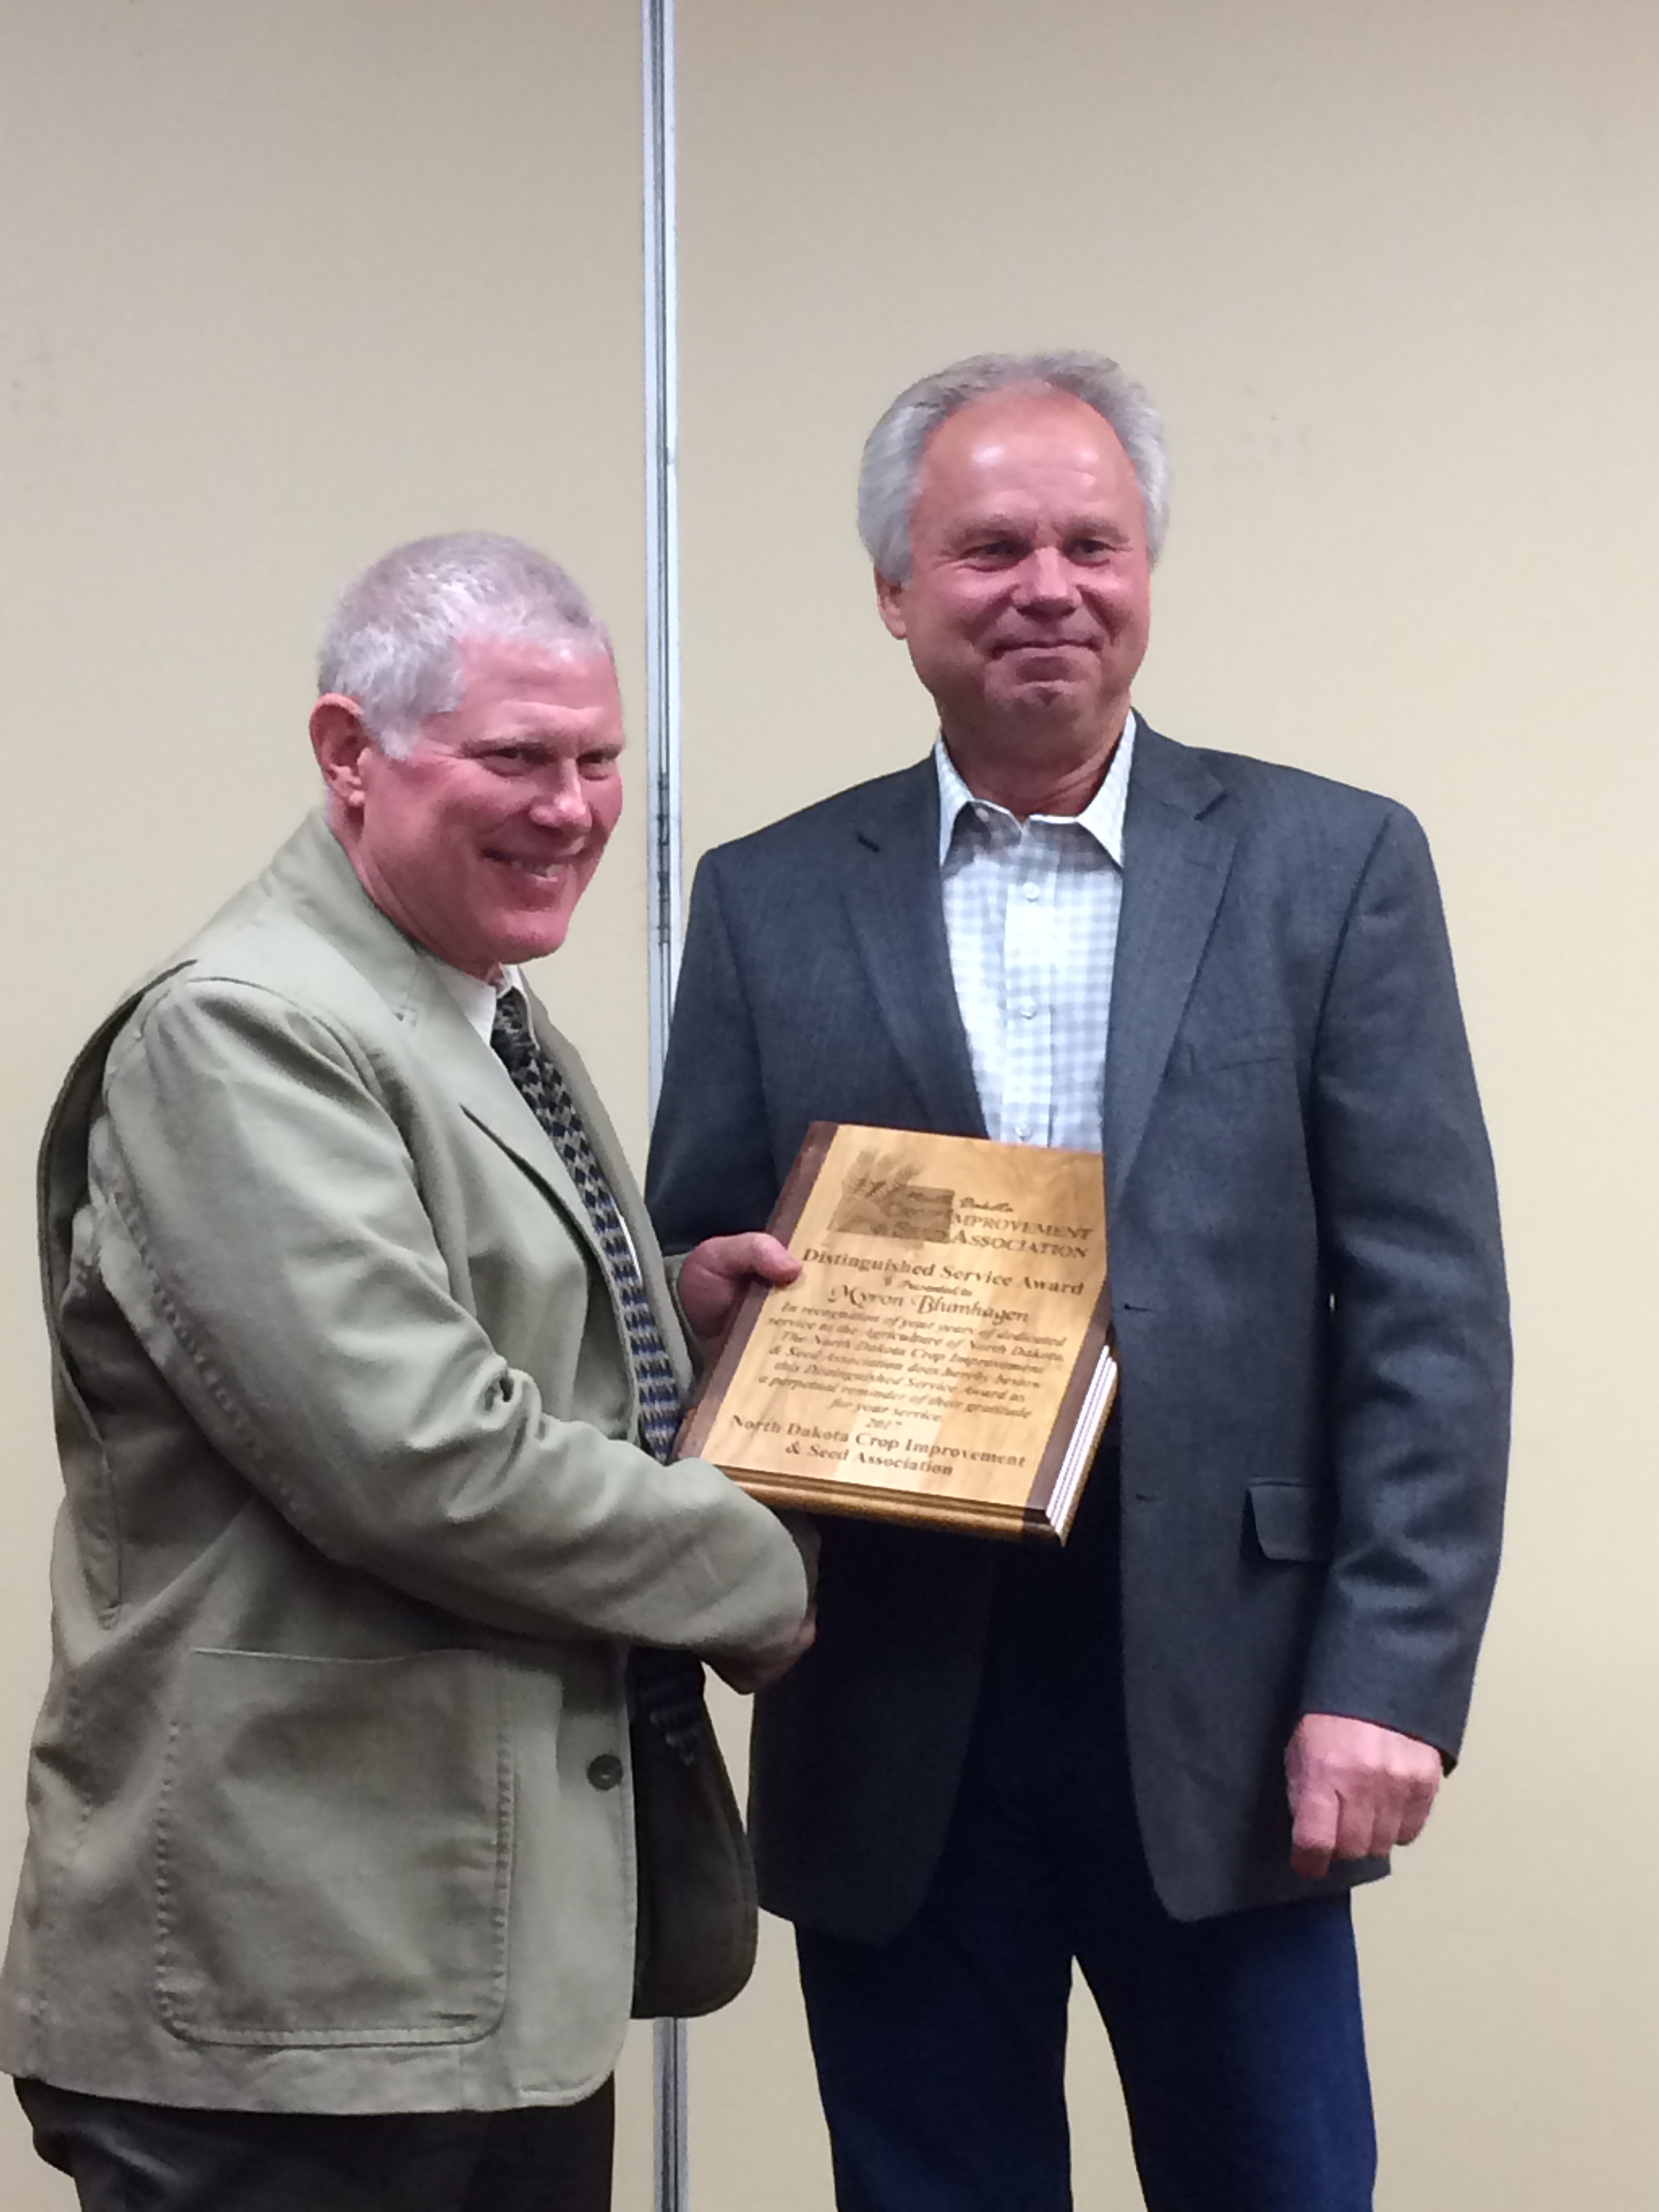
{"points": [[749, 1671]]}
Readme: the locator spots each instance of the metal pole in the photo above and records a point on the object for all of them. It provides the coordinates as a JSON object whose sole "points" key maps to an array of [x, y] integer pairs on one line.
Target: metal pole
{"points": [[662, 750], [673, 2162], [662, 549]]}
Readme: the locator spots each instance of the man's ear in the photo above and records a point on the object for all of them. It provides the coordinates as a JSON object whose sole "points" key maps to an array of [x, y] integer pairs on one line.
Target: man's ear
{"points": [[339, 737], [889, 602]]}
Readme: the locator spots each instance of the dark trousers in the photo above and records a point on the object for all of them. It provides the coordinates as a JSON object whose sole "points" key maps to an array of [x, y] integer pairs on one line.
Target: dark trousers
{"points": [[129, 2157], [940, 2054]]}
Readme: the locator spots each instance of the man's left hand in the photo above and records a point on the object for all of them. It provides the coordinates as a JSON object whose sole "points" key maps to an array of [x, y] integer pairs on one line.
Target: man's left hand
{"points": [[1356, 1790], [714, 1275]]}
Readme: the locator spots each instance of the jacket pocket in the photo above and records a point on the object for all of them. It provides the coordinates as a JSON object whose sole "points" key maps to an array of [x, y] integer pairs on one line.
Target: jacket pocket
{"points": [[1241, 1049], [1291, 1520], [332, 1850]]}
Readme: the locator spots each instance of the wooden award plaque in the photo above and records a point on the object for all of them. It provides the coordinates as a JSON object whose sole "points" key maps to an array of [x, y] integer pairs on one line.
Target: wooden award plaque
{"points": [[945, 1358]]}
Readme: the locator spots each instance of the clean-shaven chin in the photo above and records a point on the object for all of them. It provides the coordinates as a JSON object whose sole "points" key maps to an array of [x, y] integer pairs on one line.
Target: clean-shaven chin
{"points": [[534, 901], [1044, 687]]}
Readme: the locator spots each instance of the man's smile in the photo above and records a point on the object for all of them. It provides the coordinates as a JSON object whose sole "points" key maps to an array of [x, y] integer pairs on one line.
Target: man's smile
{"points": [[543, 866]]}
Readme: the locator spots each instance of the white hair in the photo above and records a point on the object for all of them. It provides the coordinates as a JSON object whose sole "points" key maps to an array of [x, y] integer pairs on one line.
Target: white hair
{"points": [[393, 641], [893, 452]]}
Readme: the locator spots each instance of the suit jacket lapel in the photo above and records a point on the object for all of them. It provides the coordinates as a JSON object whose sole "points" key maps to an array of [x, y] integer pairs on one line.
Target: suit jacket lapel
{"points": [[893, 892], [486, 1094], [1175, 869], [624, 1192], [313, 874]]}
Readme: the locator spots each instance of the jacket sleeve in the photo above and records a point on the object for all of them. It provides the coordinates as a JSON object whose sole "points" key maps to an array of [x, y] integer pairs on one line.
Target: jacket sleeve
{"points": [[1420, 1370], [257, 1216]]}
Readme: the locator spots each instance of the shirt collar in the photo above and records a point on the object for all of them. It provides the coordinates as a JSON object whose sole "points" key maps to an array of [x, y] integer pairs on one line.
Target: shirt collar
{"points": [[475, 997], [1103, 818]]}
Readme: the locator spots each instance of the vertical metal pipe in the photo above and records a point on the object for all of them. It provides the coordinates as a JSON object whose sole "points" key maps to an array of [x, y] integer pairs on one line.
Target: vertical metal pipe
{"points": [[662, 550], [674, 2163], [662, 747]]}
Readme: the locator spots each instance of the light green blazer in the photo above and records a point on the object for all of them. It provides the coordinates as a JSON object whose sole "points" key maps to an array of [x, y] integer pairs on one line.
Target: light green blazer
{"points": [[329, 1806]]}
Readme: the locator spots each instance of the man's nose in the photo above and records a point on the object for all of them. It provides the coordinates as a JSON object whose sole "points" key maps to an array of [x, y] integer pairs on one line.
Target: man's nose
{"points": [[1046, 579], [561, 799]]}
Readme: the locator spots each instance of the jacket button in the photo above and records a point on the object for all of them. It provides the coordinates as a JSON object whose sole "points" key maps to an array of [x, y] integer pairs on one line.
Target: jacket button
{"points": [[605, 1771]]}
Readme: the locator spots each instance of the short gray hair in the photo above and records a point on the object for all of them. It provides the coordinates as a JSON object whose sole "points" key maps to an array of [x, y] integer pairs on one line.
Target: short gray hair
{"points": [[392, 641], [893, 452]]}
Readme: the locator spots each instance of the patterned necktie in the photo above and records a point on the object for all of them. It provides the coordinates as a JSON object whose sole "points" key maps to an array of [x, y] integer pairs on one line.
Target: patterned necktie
{"points": [[666, 1687]]}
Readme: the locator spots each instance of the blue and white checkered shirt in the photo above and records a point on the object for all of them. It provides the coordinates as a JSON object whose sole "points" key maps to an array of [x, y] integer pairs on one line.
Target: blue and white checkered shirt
{"points": [[1031, 913]]}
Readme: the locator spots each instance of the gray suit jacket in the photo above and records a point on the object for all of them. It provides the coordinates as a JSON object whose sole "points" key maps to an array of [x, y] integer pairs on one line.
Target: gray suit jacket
{"points": [[329, 1802], [1307, 1291]]}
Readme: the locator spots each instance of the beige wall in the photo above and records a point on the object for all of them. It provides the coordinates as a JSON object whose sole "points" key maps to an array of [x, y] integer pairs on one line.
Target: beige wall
{"points": [[279, 285], [1391, 273]]}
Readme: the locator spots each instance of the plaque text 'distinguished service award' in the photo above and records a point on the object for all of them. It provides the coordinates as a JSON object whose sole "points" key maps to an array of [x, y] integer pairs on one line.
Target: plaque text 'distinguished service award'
{"points": [[945, 1358]]}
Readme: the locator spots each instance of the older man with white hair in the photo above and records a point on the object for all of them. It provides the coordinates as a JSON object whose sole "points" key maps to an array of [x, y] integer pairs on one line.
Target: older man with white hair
{"points": [[366, 1371], [1166, 1754]]}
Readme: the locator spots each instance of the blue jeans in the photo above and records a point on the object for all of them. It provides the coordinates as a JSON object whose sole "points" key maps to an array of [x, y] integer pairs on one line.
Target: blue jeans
{"points": [[940, 2054]]}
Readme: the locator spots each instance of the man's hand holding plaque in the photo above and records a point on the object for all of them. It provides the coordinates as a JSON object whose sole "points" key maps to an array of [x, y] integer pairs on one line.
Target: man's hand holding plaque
{"points": [[942, 1355]]}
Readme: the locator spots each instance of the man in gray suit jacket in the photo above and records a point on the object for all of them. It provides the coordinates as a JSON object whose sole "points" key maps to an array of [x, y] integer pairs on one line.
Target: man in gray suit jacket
{"points": [[366, 1366], [1168, 1753]]}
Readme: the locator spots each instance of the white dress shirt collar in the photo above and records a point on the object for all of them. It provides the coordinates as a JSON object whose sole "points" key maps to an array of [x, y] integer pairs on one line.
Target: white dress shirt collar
{"points": [[475, 997], [1103, 818]]}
